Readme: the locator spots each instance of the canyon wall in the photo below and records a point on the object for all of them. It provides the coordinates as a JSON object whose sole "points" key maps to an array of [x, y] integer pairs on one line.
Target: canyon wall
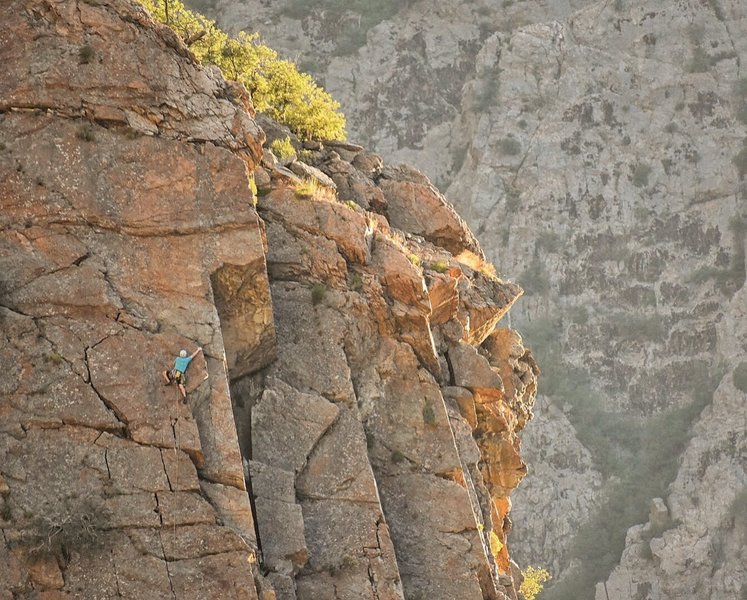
{"points": [[597, 150]]}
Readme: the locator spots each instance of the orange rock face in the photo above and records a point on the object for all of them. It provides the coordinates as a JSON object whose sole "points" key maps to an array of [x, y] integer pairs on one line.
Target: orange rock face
{"points": [[121, 191], [351, 423]]}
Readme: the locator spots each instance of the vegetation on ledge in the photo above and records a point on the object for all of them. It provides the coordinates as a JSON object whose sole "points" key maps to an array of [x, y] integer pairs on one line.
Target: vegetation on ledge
{"points": [[278, 88]]}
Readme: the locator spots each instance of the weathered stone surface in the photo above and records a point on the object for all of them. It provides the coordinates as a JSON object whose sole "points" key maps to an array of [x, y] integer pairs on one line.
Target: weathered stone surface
{"points": [[147, 408], [109, 237], [197, 108], [137, 468], [453, 537], [232, 506], [160, 249], [180, 471], [418, 208], [346, 228], [288, 424], [301, 336], [241, 299], [184, 508], [338, 466], [473, 371], [659, 513], [235, 580], [282, 525], [614, 164], [308, 172], [375, 332], [281, 522]]}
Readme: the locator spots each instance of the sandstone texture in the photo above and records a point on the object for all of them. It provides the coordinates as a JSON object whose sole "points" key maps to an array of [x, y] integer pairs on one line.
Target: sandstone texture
{"points": [[124, 188], [597, 150], [392, 411], [352, 424]]}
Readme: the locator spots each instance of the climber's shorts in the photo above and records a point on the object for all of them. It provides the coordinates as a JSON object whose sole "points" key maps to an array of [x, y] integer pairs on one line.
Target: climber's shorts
{"points": [[177, 377]]}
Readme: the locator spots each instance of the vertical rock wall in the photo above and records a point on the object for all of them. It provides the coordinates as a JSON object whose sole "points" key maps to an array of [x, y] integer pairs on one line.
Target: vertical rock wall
{"points": [[122, 188], [392, 409]]}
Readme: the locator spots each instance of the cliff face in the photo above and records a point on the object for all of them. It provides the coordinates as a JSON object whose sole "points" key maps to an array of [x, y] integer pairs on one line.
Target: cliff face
{"points": [[351, 425], [597, 149]]}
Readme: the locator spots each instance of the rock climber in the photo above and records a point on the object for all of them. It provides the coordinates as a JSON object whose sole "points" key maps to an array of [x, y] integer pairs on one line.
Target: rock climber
{"points": [[176, 374]]}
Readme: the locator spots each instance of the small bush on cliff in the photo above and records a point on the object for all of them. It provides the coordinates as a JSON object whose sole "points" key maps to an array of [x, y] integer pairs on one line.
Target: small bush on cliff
{"points": [[740, 377], [85, 133], [740, 160], [509, 145], [283, 149], [306, 188], [397, 457], [318, 291], [440, 266], [429, 414], [85, 54], [534, 580], [278, 88], [640, 173]]}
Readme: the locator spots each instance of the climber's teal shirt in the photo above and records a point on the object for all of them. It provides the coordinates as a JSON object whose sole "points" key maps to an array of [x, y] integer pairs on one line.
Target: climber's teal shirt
{"points": [[181, 363]]}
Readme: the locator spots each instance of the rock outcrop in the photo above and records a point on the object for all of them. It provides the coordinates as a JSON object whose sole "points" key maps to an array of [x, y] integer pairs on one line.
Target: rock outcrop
{"points": [[597, 149], [351, 426]]}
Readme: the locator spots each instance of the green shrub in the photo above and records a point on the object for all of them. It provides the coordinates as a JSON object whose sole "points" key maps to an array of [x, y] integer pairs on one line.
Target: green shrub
{"points": [[740, 161], [513, 196], [635, 327], [740, 377], [700, 61], [318, 292], [356, 282], [641, 171], [534, 580], [85, 54], [717, 10], [535, 279], [429, 415], [578, 315], [252, 186], [283, 149], [486, 94], [85, 132], [731, 278], [307, 188], [742, 113], [738, 511], [440, 266], [397, 457], [277, 87], [509, 145], [549, 241], [54, 357]]}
